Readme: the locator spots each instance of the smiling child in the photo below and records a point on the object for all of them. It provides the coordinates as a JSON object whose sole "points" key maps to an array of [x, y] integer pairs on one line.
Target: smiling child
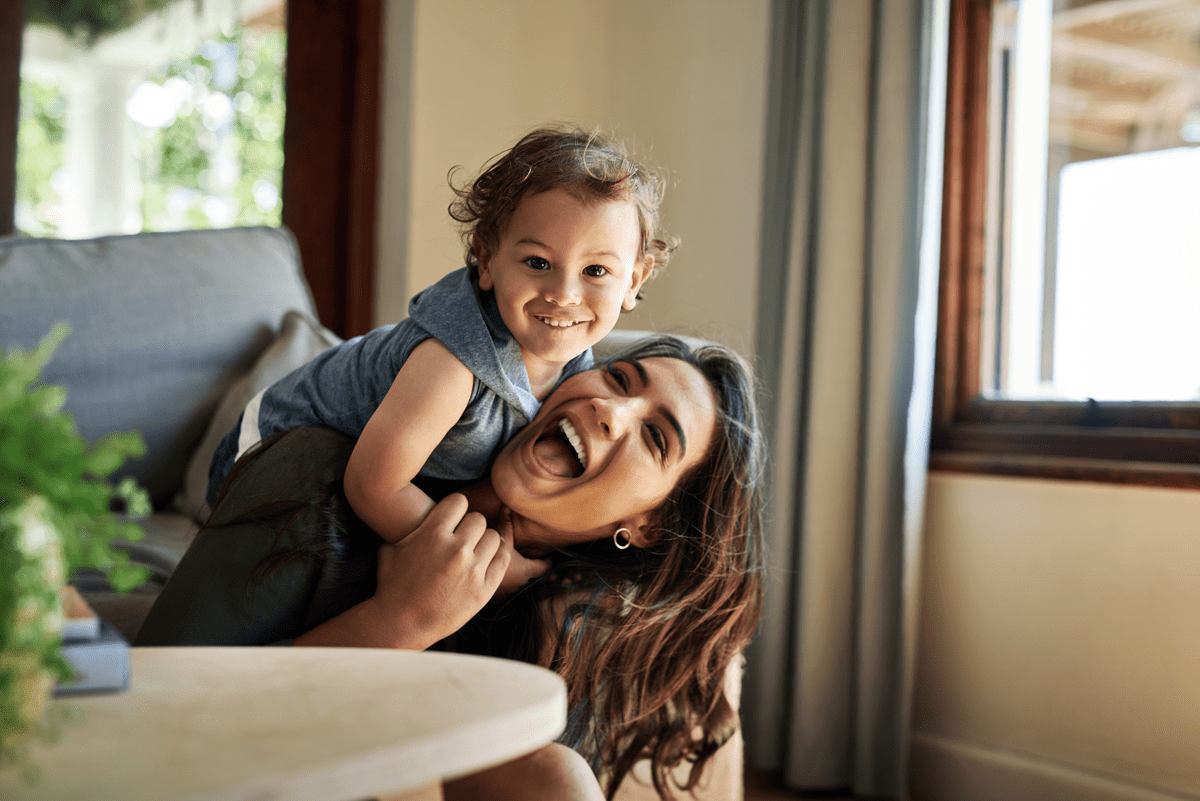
{"points": [[561, 234]]}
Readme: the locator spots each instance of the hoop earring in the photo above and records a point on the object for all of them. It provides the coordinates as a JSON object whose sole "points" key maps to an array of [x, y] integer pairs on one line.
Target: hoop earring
{"points": [[622, 541]]}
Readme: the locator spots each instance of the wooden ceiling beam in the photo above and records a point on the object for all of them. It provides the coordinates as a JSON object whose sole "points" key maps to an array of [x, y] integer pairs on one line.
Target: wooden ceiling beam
{"points": [[1109, 10], [1109, 144], [1071, 102], [1124, 57]]}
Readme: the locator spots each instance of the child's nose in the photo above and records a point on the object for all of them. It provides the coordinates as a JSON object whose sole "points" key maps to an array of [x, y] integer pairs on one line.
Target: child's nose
{"points": [[562, 290]]}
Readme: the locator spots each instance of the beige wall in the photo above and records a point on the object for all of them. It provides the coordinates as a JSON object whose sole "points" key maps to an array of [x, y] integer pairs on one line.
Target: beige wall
{"points": [[1060, 636], [684, 81], [1059, 651]]}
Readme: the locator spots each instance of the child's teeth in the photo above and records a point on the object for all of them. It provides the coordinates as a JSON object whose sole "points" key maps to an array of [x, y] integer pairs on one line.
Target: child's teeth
{"points": [[557, 323], [575, 441]]}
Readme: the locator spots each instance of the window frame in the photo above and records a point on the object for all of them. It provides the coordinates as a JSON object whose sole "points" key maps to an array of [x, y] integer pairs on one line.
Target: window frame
{"points": [[331, 147], [12, 21], [1143, 443]]}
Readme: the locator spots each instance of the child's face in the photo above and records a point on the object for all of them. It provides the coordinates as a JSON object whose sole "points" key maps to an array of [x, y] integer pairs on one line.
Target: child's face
{"points": [[562, 272]]}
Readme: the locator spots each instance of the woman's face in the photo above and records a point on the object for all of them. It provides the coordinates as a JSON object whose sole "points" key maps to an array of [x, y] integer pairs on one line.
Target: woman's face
{"points": [[605, 450]]}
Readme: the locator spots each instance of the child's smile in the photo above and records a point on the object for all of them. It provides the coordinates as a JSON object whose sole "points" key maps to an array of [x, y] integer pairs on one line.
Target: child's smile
{"points": [[562, 272]]}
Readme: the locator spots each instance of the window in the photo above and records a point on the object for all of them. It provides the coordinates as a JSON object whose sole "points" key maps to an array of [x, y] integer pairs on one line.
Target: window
{"points": [[165, 121], [330, 136], [1071, 256]]}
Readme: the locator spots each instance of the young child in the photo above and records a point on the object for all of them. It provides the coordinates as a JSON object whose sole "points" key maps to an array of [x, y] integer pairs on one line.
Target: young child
{"points": [[561, 231]]}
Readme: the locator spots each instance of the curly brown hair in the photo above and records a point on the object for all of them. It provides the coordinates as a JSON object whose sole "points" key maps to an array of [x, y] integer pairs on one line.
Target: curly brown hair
{"points": [[592, 165]]}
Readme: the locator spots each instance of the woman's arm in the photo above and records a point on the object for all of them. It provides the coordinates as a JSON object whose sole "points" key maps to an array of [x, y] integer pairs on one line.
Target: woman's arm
{"points": [[282, 559], [263, 569], [426, 399]]}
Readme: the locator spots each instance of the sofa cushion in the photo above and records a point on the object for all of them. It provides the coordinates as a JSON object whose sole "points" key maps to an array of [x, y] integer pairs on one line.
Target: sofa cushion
{"points": [[162, 324], [300, 339], [621, 339]]}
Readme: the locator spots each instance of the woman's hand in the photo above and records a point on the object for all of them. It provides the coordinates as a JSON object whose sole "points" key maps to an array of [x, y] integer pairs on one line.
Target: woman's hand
{"points": [[520, 568], [431, 582], [435, 579], [438, 577]]}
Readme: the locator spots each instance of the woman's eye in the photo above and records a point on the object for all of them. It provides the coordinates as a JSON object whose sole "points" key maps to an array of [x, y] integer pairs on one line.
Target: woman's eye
{"points": [[660, 442], [618, 376], [537, 263], [595, 271]]}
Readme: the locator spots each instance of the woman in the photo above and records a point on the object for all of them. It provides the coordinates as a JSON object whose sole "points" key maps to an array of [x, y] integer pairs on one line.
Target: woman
{"points": [[637, 520]]}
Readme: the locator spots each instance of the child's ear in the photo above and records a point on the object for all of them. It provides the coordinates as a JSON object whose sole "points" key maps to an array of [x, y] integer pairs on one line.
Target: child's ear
{"points": [[485, 263], [641, 271]]}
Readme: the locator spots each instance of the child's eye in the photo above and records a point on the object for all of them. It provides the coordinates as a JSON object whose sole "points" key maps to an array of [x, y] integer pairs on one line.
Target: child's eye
{"points": [[595, 271], [537, 263], [618, 376]]}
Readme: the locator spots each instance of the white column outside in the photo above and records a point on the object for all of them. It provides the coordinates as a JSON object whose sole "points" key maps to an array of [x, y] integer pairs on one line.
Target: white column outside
{"points": [[99, 151]]}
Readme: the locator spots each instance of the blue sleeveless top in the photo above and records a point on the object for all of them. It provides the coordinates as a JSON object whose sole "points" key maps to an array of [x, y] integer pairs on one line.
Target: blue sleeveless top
{"points": [[342, 387]]}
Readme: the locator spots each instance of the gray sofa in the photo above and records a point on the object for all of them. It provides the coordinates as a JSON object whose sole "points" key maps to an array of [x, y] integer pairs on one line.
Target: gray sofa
{"points": [[171, 334], [162, 326]]}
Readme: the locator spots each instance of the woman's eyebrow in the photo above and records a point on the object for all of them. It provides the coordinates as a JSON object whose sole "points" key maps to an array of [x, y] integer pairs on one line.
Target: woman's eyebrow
{"points": [[663, 410]]}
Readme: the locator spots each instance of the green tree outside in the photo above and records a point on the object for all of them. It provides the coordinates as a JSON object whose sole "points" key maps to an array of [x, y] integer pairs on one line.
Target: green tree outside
{"points": [[218, 160], [39, 157]]}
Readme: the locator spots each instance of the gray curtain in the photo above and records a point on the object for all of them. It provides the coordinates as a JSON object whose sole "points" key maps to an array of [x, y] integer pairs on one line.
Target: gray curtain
{"points": [[847, 310]]}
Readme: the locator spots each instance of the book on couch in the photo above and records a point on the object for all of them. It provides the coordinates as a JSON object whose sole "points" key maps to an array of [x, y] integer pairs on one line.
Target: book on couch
{"points": [[93, 647]]}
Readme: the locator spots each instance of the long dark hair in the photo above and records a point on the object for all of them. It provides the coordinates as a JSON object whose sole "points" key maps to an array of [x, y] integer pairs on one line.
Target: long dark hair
{"points": [[644, 637]]}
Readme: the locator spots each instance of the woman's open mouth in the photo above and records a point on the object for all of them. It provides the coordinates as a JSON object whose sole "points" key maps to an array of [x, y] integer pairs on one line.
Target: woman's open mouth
{"points": [[560, 450]]}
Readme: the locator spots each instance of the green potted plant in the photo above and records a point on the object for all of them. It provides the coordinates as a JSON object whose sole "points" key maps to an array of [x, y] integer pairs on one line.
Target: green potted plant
{"points": [[56, 516]]}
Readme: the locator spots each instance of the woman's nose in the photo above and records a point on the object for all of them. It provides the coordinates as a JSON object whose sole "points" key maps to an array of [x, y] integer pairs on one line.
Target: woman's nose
{"points": [[562, 289], [614, 415]]}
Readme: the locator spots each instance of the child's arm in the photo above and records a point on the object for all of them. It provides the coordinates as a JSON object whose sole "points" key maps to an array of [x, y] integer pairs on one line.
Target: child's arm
{"points": [[426, 399]]}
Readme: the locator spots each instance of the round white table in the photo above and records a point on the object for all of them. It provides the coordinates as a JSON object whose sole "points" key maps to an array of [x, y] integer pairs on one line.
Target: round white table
{"points": [[326, 724]]}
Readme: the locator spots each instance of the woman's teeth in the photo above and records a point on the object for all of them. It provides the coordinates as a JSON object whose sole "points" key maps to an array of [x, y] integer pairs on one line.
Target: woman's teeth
{"points": [[574, 439]]}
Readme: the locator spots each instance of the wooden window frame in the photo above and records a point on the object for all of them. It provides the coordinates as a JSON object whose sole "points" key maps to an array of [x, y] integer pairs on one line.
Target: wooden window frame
{"points": [[331, 143], [1146, 443]]}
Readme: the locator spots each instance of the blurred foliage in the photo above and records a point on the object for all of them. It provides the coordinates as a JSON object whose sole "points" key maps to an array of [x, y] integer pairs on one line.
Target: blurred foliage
{"points": [[42, 453], [55, 518], [90, 19], [201, 169]]}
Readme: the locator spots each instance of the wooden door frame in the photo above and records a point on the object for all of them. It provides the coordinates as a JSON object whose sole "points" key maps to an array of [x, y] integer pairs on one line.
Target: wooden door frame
{"points": [[12, 18], [331, 153]]}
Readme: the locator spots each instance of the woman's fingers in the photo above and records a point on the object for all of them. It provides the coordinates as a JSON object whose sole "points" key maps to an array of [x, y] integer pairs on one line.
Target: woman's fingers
{"points": [[447, 514], [439, 576], [498, 564], [461, 530], [516, 569], [519, 571]]}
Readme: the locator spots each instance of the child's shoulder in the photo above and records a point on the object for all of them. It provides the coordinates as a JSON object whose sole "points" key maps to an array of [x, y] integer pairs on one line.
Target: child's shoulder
{"points": [[452, 284], [446, 300]]}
